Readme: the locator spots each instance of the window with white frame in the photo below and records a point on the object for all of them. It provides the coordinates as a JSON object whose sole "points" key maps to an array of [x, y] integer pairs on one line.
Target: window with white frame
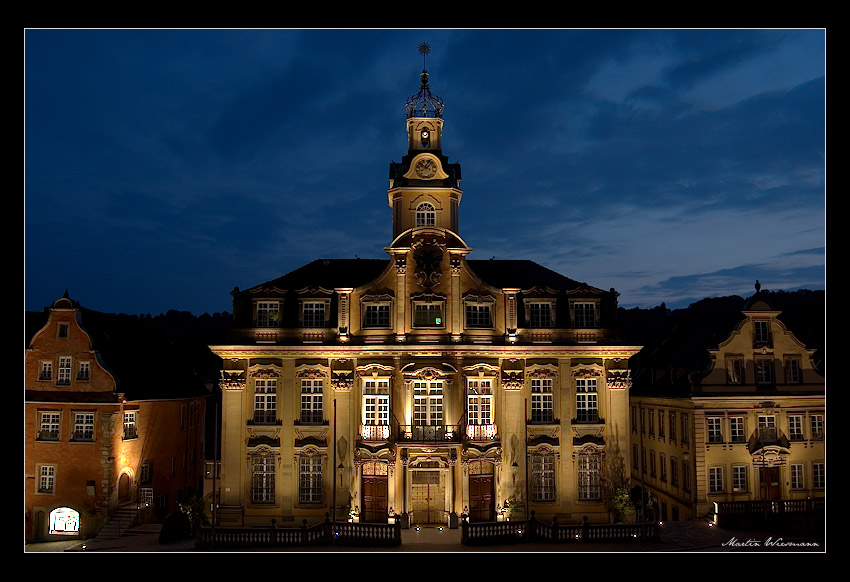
{"points": [[265, 400], [587, 403], [45, 371], [543, 477], [130, 426], [737, 432], [426, 215], [268, 314], [764, 370], [479, 408], [63, 372], [312, 391], [263, 478], [714, 428], [478, 315], [47, 479], [428, 403], [540, 314], [734, 370], [715, 480], [313, 314], [376, 314], [83, 426], [761, 332], [818, 475], [795, 427], [739, 478], [817, 426], [792, 370], [146, 496], [376, 408], [584, 314], [767, 427], [797, 476], [310, 479], [589, 476], [84, 372], [49, 426], [542, 400], [428, 314]]}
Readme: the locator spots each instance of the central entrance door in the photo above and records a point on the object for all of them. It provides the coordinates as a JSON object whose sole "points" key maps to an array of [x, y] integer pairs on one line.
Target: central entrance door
{"points": [[481, 498], [373, 507], [428, 496], [769, 477]]}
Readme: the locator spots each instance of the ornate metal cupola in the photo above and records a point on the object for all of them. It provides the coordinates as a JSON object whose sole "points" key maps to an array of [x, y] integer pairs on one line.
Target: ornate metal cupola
{"points": [[424, 188]]}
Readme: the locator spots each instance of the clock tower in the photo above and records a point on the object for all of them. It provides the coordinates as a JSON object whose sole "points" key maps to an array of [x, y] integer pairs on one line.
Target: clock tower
{"points": [[424, 187]]}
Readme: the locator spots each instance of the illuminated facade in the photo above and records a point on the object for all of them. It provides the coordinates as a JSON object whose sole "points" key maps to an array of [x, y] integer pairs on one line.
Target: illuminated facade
{"points": [[426, 386], [750, 427], [88, 448]]}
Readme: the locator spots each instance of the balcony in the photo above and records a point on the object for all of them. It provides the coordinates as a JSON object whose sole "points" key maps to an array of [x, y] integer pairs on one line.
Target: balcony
{"points": [[434, 434], [482, 432], [766, 437], [588, 417], [375, 432]]}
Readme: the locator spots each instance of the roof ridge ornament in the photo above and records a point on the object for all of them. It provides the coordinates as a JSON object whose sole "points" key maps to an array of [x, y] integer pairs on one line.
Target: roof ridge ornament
{"points": [[424, 103]]}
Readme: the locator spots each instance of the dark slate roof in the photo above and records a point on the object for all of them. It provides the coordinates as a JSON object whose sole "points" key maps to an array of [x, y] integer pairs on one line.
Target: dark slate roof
{"points": [[332, 273], [521, 274]]}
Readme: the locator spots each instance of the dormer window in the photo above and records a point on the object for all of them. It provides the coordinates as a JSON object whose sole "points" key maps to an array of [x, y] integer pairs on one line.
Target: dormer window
{"points": [[761, 332], [313, 314], [268, 314], [428, 314], [540, 314], [584, 314]]}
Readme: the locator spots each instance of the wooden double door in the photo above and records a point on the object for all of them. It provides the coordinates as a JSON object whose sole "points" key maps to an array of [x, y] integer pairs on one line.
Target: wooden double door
{"points": [[481, 498], [373, 499]]}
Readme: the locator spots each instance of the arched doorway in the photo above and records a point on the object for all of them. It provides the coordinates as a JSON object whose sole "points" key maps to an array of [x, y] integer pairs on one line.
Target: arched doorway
{"points": [[124, 488], [428, 493]]}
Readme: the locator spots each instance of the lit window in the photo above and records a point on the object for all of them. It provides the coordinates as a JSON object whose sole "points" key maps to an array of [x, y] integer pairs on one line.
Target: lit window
{"points": [[311, 401], [310, 480], [589, 477], [146, 496], [265, 400], [130, 428], [542, 400], [479, 402], [262, 478], [268, 314], [428, 314], [376, 408], [64, 521], [586, 401], [49, 426], [83, 426], [428, 403], [543, 477], [47, 479], [540, 315], [63, 375], [426, 215]]}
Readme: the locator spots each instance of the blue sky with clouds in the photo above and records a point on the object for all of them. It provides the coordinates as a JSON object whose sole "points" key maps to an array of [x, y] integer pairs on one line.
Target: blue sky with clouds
{"points": [[165, 167]]}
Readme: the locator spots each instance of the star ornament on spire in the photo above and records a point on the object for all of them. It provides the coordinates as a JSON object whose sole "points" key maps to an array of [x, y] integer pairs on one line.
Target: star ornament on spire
{"points": [[424, 49]]}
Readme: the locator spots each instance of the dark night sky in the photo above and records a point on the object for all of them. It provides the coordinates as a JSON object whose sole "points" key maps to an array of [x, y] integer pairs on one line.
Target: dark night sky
{"points": [[165, 167]]}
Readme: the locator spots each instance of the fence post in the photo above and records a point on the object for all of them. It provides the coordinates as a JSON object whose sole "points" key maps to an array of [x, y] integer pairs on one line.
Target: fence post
{"points": [[531, 527], [585, 530]]}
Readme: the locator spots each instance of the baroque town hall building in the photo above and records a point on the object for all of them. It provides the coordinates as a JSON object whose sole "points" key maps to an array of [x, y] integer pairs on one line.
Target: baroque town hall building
{"points": [[426, 386]]}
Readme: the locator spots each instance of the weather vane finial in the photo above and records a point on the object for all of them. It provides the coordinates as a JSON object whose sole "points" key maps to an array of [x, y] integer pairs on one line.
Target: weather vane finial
{"points": [[424, 49]]}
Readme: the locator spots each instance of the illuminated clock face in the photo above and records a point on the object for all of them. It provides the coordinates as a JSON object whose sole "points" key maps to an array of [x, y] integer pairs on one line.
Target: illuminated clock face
{"points": [[426, 168]]}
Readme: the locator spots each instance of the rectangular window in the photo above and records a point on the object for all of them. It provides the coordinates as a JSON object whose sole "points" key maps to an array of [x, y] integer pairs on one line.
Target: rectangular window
{"points": [[734, 370], [672, 426], [589, 477], [265, 400], [792, 371], [49, 426], [818, 475], [817, 427], [736, 429], [478, 316], [715, 480], [739, 478], [674, 472], [797, 476], [376, 315], [63, 375], [313, 314], [428, 314], [146, 496], [587, 409], [268, 314], [714, 428], [479, 402], [47, 479], [761, 332], [795, 427], [263, 479], [84, 373], [83, 426], [311, 401], [686, 476], [661, 424], [63, 330], [46, 371], [764, 370], [767, 427], [662, 465], [146, 472], [543, 478], [585, 315], [540, 315], [686, 433], [542, 400], [428, 403], [310, 480], [130, 430], [376, 408]]}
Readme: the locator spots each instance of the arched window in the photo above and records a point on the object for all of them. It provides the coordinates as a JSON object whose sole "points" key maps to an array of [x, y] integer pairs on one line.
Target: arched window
{"points": [[425, 215]]}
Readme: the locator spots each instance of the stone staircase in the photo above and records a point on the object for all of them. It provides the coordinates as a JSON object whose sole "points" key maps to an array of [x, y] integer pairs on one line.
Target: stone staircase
{"points": [[120, 523]]}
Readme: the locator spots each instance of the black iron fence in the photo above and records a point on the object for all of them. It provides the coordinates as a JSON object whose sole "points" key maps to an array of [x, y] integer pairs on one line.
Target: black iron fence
{"points": [[795, 513], [534, 531]]}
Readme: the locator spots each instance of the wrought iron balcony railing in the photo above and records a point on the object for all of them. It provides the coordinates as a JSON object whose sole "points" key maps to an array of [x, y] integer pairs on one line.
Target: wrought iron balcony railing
{"points": [[442, 433]]}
